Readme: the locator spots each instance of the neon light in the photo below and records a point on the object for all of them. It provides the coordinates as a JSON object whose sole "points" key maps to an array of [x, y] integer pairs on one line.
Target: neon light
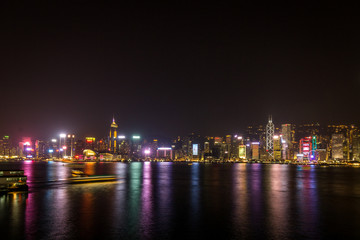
{"points": [[255, 143], [195, 148], [147, 151], [121, 137], [164, 148], [28, 149], [136, 137]]}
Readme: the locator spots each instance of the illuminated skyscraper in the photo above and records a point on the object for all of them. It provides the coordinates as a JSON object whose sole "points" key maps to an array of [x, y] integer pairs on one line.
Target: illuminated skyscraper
{"points": [[70, 145], [287, 138], [255, 150], [337, 146], [305, 147], [113, 137], [270, 138], [277, 147]]}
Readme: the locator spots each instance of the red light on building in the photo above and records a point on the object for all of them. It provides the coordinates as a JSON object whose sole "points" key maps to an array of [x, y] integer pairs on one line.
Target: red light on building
{"points": [[305, 147]]}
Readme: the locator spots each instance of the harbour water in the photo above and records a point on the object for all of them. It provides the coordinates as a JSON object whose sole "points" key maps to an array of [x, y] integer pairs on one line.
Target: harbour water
{"points": [[179, 201]]}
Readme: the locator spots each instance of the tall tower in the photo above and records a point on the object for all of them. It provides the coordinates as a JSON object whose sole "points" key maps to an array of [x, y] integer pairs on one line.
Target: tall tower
{"points": [[113, 136], [270, 138]]}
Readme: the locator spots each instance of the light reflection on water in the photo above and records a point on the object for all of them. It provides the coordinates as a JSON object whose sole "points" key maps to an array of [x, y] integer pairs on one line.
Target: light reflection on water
{"points": [[168, 200]]}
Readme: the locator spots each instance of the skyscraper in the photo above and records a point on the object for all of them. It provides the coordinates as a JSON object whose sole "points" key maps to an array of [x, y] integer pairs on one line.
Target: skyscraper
{"points": [[337, 146], [287, 139], [113, 136], [305, 147], [277, 147], [270, 138]]}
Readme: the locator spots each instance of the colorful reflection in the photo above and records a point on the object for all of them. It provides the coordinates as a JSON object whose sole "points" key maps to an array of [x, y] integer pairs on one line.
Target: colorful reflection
{"points": [[12, 208], [134, 189], [307, 200], [278, 197], [164, 194], [241, 200], [147, 202]]}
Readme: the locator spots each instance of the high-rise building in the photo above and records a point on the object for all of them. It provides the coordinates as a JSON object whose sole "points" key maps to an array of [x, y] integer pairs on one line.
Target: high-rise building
{"points": [[313, 148], [270, 138], [5, 146], [287, 138], [356, 147], [305, 147], [277, 147], [113, 137], [70, 145], [242, 152], [337, 146], [255, 150], [90, 143]]}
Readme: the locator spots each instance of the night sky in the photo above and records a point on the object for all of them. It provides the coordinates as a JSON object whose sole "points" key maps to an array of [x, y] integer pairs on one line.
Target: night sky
{"points": [[175, 69]]}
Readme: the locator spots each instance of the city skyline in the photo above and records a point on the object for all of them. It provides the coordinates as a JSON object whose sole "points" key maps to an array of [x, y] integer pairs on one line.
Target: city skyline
{"points": [[284, 143], [122, 130]]}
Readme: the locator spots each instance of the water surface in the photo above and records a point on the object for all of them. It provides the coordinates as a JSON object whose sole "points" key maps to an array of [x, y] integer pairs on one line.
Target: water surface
{"points": [[180, 201]]}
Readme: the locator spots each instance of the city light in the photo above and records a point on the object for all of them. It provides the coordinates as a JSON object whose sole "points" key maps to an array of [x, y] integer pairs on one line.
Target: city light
{"points": [[121, 137], [51, 150], [64, 147], [53, 140], [62, 135], [136, 137], [147, 151], [164, 148], [239, 138]]}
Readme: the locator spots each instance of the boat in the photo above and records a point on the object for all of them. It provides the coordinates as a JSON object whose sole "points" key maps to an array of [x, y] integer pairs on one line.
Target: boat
{"points": [[13, 180], [90, 179], [78, 173], [306, 167]]}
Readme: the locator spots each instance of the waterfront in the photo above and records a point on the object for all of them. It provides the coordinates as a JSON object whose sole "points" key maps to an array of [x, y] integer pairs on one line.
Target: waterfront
{"points": [[176, 200]]}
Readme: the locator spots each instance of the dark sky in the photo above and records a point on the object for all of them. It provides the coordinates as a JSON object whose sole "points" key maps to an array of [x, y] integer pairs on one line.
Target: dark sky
{"points": [[175, 69]]}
